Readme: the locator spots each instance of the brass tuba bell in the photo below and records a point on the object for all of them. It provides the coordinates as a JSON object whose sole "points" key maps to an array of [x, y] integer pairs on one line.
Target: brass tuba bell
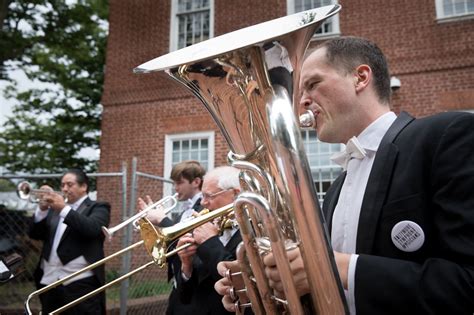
{"points": [[248, 81]]}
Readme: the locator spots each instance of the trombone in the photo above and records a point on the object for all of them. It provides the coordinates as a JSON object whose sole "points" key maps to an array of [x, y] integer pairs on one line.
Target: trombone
{"points": [[156, 242], [26, 192], [160, 204]]}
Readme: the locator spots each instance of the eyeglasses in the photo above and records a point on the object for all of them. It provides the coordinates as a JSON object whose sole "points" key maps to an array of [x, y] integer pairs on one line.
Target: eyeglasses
{"points": [[214, 195]]}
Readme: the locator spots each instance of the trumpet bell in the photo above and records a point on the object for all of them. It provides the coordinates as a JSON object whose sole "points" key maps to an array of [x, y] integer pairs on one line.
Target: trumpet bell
{"points": [[26, 192], [23, 190]]}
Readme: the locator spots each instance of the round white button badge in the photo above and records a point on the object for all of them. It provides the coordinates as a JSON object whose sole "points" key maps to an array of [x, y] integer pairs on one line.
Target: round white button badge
{"points": [[408, 236]]}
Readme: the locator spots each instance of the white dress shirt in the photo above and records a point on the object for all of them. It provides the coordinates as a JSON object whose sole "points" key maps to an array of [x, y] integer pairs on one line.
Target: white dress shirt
{"points": [[345, 220], [188, 210], [53, 268]]}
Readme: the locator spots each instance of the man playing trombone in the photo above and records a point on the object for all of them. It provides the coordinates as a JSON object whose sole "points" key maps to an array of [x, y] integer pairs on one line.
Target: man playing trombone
{"points": [[199, 261], [69, 224]]}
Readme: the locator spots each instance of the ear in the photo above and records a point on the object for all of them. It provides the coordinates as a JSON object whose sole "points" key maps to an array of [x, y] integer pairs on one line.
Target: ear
{"points": [[362, 77], [197, 181], [84, 188]]}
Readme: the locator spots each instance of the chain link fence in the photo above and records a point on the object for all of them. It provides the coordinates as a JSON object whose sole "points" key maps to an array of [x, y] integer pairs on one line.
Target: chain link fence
{"points": [[146, 292]]}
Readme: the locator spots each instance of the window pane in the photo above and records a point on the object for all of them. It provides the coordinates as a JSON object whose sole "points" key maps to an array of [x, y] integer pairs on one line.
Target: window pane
{"points": [[191, 149], [204, 155], [319, 154], [185, 145], [302, 5], [457, 7], [193, 22], [176, 157]]}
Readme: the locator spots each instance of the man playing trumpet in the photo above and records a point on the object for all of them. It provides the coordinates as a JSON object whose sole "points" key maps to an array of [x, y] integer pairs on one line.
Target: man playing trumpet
{"points": [[72, 239], [187, 179]]}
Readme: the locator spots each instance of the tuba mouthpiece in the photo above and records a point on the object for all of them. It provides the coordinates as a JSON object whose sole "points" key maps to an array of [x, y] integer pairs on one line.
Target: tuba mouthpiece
{"points": [[307, 120]]}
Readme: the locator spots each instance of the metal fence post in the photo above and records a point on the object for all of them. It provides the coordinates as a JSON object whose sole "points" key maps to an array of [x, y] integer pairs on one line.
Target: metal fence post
{"points": [[127, 239]]}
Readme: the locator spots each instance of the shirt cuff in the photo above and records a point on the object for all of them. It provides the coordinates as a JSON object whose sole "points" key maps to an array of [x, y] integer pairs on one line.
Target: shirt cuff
{"points": [[351, 284], [40, 215], [65, 211]]}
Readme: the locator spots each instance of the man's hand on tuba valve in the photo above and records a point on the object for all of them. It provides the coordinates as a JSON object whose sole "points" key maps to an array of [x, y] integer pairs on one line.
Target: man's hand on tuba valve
{"points": [[297, 268], [224, 286]]}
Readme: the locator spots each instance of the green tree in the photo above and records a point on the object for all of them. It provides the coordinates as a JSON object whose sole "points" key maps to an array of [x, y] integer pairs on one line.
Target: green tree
{"points": [[61, 46]]}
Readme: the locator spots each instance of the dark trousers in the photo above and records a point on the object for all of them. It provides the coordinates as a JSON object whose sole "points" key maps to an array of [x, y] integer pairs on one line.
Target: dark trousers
{"points": [[63, 294]]}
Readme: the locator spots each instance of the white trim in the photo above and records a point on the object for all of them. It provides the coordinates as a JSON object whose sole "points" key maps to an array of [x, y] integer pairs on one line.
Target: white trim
{"points": [[174, 24], [442, 17], [209, 135]]}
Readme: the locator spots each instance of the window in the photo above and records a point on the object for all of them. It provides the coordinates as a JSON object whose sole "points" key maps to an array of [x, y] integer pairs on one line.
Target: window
{"points": [[192, 21], [197, 146], [448, 9], [324, 171], [329, 27]]}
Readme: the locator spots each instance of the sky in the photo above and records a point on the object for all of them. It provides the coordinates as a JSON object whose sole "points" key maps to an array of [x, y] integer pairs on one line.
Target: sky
{"points": [[23, 84], [5, 105]]}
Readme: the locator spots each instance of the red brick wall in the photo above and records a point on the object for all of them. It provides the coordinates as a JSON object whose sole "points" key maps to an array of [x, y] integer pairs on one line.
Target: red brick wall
{"points": [[430, 58], [434, 61]]}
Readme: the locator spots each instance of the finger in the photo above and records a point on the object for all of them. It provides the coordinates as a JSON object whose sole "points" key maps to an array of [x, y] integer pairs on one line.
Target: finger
{"points": [[293, 254], [269, 260], [273, 274], [140, 204], [149, 201], [222, 268], [222, 286], [228, 303]]}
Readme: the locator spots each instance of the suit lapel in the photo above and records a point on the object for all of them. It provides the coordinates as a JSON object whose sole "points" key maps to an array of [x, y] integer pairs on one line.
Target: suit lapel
{"points": [[81, 210], [377, 185], [330, 201], [233, 242], [84, 205]]}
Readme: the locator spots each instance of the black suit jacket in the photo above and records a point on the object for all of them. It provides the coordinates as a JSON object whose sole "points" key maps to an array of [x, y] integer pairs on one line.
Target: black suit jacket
{"points": [[423, 172], [82, 237], [199, 289]]}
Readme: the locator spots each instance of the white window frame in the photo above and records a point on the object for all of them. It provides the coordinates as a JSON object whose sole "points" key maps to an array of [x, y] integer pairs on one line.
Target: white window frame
{"points": [[169, 139], [332, 167], [442, 17], [174, 23], [290, 8]]}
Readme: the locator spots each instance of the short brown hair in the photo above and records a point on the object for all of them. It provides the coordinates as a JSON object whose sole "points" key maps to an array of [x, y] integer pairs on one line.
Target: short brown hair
{"points": [[348, 52], [189, 170]]}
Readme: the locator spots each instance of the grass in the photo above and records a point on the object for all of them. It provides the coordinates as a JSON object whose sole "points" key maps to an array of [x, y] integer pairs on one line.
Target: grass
{"points": [[14, 293]]}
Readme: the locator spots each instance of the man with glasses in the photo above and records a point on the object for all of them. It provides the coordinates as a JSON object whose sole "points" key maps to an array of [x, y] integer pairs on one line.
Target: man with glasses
{"points": [[199, 261], [69, 224]]}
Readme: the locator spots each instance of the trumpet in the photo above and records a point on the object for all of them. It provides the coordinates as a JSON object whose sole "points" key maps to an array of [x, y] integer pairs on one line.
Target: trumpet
{"points": [[26, 192], [156, 242], [160, 204]]}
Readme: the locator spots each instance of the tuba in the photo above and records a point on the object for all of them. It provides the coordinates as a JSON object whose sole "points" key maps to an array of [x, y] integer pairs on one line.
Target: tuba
{"points": [[248, 81]]}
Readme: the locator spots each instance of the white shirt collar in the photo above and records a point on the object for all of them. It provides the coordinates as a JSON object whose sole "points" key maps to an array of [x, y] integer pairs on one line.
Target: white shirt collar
{"points": [[371, 137], [76, 205], [195, 198]]}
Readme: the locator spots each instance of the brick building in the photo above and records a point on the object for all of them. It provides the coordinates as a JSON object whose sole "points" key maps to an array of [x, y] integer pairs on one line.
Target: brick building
{"points": [[429, 45]]}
